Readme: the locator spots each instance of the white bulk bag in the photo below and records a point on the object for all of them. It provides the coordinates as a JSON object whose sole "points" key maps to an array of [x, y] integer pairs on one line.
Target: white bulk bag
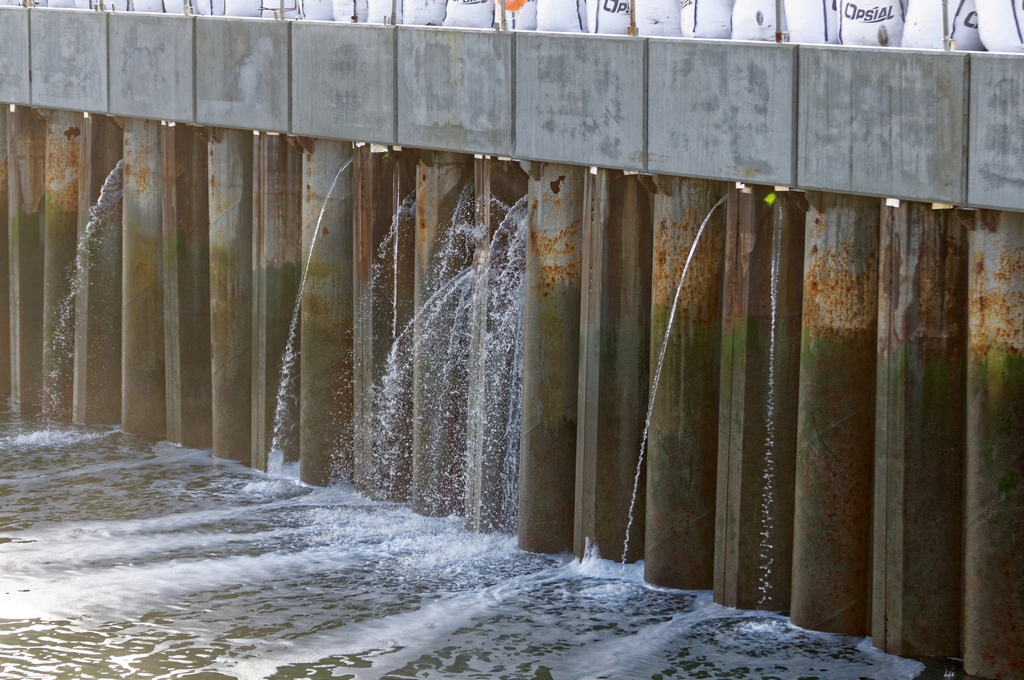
{"points": [[243, 8], [146, 6], [208, 7], [343, 11], [525, 18], [877, 23], [423, 12], [923, 26], [753, 20], [1001, 25], [813, 21], [562, 16], [659, 18], [469, 13], [706, 18], [63, 4], [318, 10], [608, 16], [379, 10]]}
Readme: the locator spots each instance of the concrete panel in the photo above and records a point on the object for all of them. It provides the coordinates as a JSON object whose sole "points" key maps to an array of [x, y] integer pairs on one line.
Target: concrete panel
{"points": [[14, 82], [579, 99], [455, 90], [883, 122], [151, 66], [69, 59], [996, 167], [343, 81], [242, 68], [722, 110]]}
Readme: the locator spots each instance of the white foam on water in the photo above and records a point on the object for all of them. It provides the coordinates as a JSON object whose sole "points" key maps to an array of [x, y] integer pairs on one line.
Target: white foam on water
{"points": [[248, 575], [51, 438]]}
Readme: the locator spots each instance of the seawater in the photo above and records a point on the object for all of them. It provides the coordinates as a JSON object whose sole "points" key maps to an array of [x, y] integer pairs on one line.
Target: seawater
{"points": [[121, 557]]}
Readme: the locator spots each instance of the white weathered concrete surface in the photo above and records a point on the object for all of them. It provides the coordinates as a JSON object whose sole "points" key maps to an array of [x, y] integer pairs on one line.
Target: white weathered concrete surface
{"points": [[242, 73], [455, 90], [995, 176], [14, 83], [69, 59], [151, 66], [870, 121], [579, 99], [343, 83], [722, 110], [883, 122]]}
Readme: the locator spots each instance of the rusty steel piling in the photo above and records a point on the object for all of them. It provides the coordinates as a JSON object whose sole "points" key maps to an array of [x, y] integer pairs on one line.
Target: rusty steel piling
{"points": [[439, 413], [97, 365], [5, 282], [919, 430], [835, 429], [230, 172], [26, 167], [760, 359], [994, 490], [63, 155], [143, 404], [554, 260], [325, 418], [384, 238], [615, 311], [186, 253], [276, 263], [682, 444]]}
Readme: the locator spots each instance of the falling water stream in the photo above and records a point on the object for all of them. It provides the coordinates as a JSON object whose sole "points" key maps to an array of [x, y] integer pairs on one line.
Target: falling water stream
{"points": [[285, 388], [106, 209], [765, 560], [657, 376]]}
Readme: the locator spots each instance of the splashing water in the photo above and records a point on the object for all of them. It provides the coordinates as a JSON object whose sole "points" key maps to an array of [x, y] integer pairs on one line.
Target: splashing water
{"points": [[106, 210], [152, 561], [657, 375], [768, 493], [275, 459], [483, 297], [492, 461]]}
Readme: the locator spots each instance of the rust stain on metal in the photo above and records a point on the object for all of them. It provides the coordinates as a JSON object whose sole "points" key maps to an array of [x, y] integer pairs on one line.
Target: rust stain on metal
{"points": [[670, 257], [840, 281], [63, 156], [995, 296], [559, 253], [144, 175]]}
